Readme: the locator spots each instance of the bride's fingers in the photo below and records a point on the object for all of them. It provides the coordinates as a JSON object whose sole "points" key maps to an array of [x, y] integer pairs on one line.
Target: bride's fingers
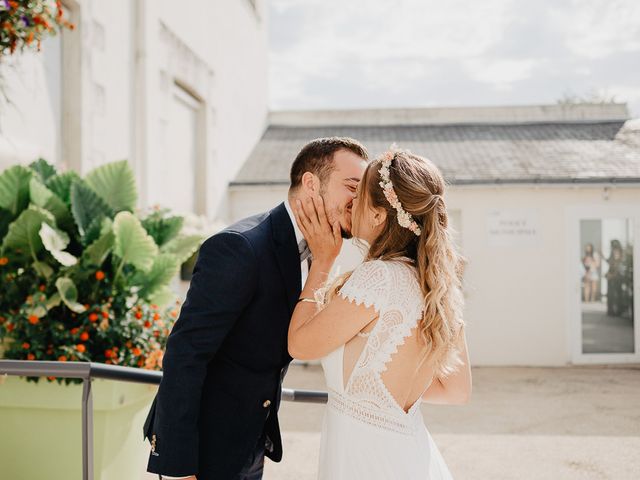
{"points": [[337, 234], [301, 215], [322, 215], [312, 212]]}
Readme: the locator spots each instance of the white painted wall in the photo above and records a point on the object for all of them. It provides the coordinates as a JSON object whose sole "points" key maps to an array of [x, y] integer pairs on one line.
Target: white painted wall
{"points": [[130, 55], [516, 311]]}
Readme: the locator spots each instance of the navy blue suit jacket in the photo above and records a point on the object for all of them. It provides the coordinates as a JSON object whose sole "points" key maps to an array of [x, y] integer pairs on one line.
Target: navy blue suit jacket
{"points": [[227, 353]]}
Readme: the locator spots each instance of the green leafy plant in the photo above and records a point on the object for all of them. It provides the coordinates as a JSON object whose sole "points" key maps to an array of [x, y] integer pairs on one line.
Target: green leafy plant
{"points": [[82, 276]]}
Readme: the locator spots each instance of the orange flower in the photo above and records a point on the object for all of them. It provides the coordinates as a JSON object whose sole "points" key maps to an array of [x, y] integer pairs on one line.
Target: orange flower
{"points": [[156, 316], [51, 378], [108, 353], [147, 324], [9, 326], [81, 348], [62, 358], [30, 38], [3, 261], [99, 275], [174, 313], [31, 356], [129, 344], [154, 359], [42, 288], [26, 345], [136, 351], [93, 317], [84, 336], [138, 315], [105, 314], [33, 319], [74, 331]]}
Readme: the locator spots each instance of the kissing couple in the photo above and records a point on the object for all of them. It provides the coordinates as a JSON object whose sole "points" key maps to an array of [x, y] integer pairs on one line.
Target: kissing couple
{"points": [[390, 334]]}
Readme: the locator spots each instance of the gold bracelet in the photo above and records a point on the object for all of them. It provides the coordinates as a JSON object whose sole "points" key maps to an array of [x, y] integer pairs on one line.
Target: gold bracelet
{"points": [[307, 299]]}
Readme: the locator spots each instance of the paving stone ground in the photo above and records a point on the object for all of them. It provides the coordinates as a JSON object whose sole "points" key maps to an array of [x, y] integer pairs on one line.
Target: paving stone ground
{"points": [[573, 423]]}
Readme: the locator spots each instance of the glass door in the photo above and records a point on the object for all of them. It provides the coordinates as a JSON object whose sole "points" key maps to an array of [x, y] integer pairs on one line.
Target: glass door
{"points": [[605, 288]]}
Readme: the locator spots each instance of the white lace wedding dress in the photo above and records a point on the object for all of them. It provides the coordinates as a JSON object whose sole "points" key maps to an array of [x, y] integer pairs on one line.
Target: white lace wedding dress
{"points": [[366, 434]]}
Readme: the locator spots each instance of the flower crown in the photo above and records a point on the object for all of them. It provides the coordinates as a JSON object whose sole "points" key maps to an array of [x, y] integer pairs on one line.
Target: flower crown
{"points": [[404, 218]]}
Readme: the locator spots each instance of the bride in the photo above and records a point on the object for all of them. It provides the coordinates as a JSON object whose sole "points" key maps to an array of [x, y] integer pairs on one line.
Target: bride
{"points": [[390, 334]]}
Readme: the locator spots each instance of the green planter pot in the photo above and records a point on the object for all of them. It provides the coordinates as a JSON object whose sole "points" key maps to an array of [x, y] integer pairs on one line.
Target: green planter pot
{"points": [[41, 429]]}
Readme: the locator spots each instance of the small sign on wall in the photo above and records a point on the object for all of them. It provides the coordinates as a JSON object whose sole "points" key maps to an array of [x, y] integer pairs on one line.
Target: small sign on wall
{"points": [[513, 228]]}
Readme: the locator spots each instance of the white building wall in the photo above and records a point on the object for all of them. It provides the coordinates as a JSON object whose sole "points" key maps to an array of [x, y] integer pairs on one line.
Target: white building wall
{"points": [[120, 67], [517, 297]]}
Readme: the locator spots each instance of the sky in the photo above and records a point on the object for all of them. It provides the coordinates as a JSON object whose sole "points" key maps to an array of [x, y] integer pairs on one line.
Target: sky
{"points": [[328, 54]]}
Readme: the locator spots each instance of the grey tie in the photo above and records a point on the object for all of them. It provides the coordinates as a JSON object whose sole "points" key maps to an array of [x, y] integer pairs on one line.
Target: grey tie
{"points": [[305, 252]]}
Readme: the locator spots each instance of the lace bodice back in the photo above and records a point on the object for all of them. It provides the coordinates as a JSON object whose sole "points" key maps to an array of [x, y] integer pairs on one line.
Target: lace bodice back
{"points": [[363, 369]]}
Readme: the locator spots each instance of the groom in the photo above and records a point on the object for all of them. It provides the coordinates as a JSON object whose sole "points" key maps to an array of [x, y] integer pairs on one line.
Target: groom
{"points": [[215, 416]]}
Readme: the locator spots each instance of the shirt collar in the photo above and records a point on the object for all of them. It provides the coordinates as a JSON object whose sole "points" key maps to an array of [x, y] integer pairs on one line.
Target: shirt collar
{"points": [[299, 236]]}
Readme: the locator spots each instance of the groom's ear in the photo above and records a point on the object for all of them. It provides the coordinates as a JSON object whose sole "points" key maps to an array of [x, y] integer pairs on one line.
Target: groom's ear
{"points": [[310, 183]]}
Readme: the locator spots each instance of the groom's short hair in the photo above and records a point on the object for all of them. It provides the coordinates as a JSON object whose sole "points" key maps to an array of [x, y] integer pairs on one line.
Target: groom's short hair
{"points": [[317, 157]]}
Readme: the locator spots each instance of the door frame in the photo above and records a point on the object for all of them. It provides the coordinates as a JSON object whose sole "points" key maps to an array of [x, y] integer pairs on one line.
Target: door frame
{"points": [[574, 291]]}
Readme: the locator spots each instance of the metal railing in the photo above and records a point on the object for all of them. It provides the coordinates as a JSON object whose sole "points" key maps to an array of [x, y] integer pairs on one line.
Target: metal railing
{"points": [[87, 371]]}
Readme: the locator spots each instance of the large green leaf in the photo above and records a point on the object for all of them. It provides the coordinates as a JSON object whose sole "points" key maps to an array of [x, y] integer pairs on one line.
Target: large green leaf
{"points": [[14, 189], [165, 267], [182, 247], [43, 269], [43, 168], [96, 253], [60, 184], [162, 229], [115, 183], [132, 243], [45, 198], [23, 233], [87, 205], [53, 301], [69, 294], [93, 230], [5, 220], [162, 296], [55, 241]]}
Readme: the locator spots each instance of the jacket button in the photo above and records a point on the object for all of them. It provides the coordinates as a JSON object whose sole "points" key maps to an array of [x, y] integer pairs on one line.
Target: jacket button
{"points": [[266, 403]]}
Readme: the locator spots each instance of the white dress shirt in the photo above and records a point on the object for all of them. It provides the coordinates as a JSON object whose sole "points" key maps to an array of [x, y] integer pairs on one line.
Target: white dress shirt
{"points": [[304, 273]]}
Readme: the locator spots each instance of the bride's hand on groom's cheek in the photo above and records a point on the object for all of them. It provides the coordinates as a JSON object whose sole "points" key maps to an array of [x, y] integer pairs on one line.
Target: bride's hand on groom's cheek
{"points": [[324, 239]]}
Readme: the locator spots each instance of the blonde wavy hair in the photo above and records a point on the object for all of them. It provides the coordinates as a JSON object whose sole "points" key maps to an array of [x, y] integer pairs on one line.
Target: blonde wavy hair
{"points": [[420, 187]]}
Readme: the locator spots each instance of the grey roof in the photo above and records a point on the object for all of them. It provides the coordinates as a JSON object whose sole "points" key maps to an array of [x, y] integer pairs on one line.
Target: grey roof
{"points": [[559, 152]]}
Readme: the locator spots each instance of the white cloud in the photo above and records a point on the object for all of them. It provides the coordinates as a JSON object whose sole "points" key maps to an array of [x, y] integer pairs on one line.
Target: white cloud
{"points": [[598, 28], [326, 53]]}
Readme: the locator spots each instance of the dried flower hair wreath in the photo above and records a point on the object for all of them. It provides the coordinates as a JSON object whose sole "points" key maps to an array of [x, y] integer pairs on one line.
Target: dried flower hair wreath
{"points": [[404, 218]]}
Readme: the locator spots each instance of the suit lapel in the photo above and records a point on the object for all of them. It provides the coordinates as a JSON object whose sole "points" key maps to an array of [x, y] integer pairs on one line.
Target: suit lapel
{"points": [[287, 255]]}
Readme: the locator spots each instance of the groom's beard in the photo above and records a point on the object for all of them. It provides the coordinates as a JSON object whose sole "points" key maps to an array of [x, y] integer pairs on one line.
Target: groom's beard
{"points": [[345, 232]]}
